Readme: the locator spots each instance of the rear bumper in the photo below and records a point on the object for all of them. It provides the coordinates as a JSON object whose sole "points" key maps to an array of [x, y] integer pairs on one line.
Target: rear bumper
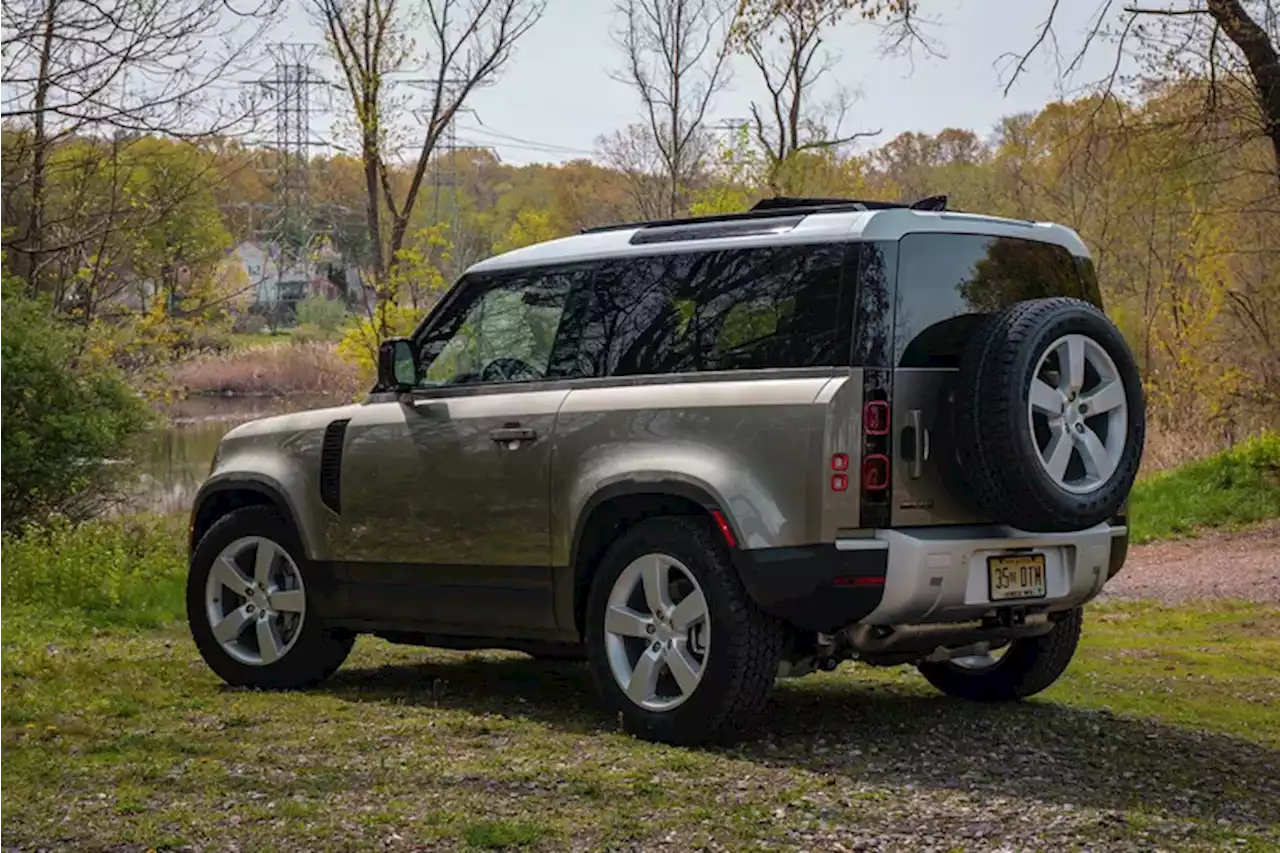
{"points": [[940, 574], [924, 575]]}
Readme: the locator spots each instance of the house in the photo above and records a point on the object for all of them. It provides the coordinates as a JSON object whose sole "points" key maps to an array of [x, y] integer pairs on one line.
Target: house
{"points": [[277, 282]]}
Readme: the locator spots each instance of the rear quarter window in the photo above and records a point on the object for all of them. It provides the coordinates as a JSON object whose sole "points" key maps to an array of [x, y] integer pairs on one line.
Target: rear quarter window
{"points": [[724, 310], [947, 283]]}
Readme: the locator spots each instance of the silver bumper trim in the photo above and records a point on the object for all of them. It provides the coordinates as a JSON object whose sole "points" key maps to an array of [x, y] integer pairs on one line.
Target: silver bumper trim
{"points": [[939, 574]]}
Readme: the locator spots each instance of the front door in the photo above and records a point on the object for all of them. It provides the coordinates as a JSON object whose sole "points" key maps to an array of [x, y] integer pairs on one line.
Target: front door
{"points": [[445, 492]]}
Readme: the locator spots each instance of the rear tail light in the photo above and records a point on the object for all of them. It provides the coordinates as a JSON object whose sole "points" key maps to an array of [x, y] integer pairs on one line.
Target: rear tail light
{"points": [[875, 418], [875, 473], [874, 470]]}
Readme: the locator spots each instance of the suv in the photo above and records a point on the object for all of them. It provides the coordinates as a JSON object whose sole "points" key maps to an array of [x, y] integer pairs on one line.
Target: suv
{"points": [[703, 454]]}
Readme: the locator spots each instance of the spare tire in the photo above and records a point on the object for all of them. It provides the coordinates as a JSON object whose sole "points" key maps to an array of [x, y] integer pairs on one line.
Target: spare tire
{"points": [[1048, 416]]}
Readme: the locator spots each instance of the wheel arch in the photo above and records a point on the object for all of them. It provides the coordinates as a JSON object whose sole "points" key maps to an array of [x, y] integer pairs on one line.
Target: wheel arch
{"points": [[615, 508], [218, 498]]}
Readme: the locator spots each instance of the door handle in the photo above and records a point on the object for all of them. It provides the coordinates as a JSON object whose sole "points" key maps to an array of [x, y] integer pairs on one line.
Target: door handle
{"points": [[920, 443], [513, 432]]}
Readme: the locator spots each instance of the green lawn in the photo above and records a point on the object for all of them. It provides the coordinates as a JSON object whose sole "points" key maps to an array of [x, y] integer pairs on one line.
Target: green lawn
{"points": [[1164, 734], [1228, 490]]}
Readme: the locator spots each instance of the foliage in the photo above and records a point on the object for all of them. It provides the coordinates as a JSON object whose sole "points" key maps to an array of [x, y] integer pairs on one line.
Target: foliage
{"points": [[359, 344], [68, 416], [101, 574], [327, 315], [1229, 489], [529, 227], [249, 324]]}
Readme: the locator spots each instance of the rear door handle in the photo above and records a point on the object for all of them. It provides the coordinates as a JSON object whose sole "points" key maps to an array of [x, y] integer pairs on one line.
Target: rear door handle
{"points": [[920, 443], [513, 432]]}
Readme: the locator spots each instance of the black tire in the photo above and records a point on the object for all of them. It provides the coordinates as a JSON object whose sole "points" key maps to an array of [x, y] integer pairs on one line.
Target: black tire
{"points": [[745, 644], [995, 453], [1027, 667], [318, 651]]}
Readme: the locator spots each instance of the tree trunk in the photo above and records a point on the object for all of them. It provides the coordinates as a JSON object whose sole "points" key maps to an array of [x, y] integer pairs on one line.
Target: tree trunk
{"points": [[1260, 54], [39, 151]]}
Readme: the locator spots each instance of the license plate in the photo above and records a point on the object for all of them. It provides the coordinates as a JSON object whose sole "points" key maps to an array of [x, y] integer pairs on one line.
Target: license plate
{"points": [[1016, 576]]}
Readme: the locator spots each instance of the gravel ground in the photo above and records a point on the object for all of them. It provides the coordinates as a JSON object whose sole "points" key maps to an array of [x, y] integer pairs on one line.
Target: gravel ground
{"points": [[1241, 565]]}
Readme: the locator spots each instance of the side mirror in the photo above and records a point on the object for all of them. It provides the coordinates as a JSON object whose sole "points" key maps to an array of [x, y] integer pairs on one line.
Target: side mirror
{"points": [[397, 365]]}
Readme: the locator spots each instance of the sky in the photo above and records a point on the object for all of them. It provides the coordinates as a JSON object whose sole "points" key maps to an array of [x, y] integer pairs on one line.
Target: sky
{"points": [[557, 95]]}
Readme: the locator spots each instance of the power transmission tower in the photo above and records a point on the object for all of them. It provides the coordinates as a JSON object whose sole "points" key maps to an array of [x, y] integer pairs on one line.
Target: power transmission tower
{"points": [[291, 89]]}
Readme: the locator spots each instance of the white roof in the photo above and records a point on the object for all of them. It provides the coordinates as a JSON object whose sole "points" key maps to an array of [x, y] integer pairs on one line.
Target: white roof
{"points": [[890, 224]]}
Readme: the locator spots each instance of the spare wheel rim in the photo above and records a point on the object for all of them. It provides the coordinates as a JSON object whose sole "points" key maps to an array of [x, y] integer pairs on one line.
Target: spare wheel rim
{"points": [[1078, 414]]}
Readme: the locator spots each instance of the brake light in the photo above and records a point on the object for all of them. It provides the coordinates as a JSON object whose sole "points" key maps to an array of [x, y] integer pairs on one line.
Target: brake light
{"points": [[874, 470], [875, 418], [875, 473]]}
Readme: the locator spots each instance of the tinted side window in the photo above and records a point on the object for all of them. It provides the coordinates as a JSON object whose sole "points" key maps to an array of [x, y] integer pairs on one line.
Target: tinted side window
{"points": [[947, 282], [740, 309], [501, 330]]}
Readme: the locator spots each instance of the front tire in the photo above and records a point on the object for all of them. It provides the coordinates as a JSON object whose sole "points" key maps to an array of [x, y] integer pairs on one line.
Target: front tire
{"points": [[674, 642], [1027, 667], [251, 605]]}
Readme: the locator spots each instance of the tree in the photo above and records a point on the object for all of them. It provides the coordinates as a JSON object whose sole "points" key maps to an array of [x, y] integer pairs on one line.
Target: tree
{"points": [[469, 43], [786, 48], [67, 416], [676, 55], [1233, 44], [118, 71]]}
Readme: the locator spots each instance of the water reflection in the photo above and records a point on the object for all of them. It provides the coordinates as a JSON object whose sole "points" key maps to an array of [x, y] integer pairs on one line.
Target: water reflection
{"points": [[175, 458]]}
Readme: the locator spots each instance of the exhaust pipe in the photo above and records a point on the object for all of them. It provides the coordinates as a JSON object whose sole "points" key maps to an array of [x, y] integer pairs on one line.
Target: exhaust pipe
{"points": [[924, 640]]}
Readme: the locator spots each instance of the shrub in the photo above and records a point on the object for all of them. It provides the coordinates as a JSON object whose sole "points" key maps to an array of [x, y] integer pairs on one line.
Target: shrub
{"points": [[126, 572], [327, 315], [309, 333], [249, 324], [1228, 489], [359, 344], [301, 368], [67, 416]]}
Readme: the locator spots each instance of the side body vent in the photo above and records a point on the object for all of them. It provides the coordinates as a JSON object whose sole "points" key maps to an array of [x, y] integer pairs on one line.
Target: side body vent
{"points": [[335, 435]]}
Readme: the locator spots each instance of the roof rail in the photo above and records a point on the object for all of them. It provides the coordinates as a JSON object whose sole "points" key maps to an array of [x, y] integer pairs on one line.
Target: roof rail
{"points": [[780, 206], [933, 202]]}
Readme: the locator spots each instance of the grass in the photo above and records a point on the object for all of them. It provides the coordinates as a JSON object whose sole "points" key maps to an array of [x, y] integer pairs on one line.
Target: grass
{"points": [[1165, 733], [1227, 490], [249, 340], [125, 573]]}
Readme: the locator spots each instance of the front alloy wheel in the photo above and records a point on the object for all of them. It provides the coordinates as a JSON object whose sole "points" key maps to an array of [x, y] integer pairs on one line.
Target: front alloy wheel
{"points": [[251, 607], [255, 601]]}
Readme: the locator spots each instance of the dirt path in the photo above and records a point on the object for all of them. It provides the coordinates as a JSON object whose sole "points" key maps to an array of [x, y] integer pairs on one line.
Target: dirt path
{"points": [[1243, 565]]}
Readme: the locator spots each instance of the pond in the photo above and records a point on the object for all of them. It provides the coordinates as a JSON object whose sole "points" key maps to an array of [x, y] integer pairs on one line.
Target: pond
{"points": [[175, 458]]}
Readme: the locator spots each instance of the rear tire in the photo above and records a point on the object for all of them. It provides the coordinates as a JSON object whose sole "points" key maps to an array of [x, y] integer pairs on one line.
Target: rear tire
{"points": [[735, 661], [1029, 666], [303, 656]]}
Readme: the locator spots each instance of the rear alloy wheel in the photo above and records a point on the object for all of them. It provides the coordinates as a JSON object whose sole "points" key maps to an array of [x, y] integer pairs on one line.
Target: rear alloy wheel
{"points": [[1021, 669], [657, 632], [674, 642], [250, 609]]}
